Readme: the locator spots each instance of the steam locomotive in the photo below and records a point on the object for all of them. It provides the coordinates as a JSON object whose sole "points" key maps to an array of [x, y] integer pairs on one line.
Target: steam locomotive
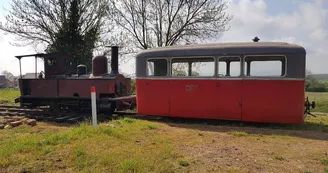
{"points": [[65, 86]]}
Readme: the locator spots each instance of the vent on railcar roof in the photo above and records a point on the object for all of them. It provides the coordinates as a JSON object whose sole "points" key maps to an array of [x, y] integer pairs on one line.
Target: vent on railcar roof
{"points": [[256, 39]]}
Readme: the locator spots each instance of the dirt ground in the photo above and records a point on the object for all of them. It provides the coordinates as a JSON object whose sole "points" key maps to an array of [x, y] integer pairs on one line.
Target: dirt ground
{"points": [[247, 149]]}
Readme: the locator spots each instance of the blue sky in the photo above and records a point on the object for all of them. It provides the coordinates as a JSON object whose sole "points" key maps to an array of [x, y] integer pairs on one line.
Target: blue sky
{"points": [[303, 22]]}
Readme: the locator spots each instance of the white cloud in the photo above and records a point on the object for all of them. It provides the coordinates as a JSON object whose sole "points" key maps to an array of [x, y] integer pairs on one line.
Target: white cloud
{"points": [[307, 25], [318, 34], [10, 63]]}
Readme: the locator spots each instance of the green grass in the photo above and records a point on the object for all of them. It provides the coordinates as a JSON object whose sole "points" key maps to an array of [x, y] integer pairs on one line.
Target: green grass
{"points": [[184, 163], [8, 95], [321, 99], [121, 147]]}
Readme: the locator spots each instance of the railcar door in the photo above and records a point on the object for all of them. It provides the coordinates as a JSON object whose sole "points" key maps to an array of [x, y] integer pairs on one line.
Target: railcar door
{"points": [[193, 87], [228, 91], [153, 90]]}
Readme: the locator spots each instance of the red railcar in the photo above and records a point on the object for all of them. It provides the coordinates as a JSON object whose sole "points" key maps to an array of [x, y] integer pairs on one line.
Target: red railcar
{"points": [[252, 82]]}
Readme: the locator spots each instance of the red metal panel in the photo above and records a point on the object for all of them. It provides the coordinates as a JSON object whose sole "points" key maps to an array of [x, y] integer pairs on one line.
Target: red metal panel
{"points": [[196, 101], [43, 87], [276, 101], [152, 97], [212, 99], [228, 99]]}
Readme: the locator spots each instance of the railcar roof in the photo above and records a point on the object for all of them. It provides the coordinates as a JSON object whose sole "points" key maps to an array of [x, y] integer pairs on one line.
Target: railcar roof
{"points": [[223, 48]]}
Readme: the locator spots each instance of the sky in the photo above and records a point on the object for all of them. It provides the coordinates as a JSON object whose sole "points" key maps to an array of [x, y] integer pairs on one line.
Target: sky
{"points": [[303, 22]]}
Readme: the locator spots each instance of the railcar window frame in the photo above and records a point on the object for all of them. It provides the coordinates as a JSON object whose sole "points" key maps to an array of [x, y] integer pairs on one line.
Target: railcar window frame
{"points": [[266, 55], [194, 57], [158, 58], [230, 56]]}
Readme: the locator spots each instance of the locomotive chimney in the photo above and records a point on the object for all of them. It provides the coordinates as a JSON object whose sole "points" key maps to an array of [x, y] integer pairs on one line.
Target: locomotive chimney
{"points": [[114, 61]]}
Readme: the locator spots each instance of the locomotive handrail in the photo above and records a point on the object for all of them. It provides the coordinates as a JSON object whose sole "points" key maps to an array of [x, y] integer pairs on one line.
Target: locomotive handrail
{"points": [[80, 98]]}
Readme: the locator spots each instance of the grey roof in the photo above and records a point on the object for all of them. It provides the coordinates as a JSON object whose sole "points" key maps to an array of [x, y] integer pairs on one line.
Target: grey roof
{"points": [[30, 75], [223, 48]]}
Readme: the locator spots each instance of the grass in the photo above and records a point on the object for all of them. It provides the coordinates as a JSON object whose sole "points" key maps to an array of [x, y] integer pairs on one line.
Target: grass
{"points": [[8, 95], [321, 100], [121, 147]]}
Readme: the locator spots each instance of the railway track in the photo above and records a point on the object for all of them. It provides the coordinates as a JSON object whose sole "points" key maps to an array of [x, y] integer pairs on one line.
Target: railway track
{"points": [[44, 114]]}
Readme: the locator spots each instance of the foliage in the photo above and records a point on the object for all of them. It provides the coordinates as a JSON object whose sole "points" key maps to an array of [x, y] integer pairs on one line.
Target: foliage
{"points": [[133, 86], [70, 39], [7, 74], [58, 24], [176, 72], [314, 85]]}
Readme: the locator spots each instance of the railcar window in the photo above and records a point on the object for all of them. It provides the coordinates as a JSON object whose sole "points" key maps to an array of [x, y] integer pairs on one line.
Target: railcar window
{"points": [[192, 67], [157, 67], [180, 69], [265, 66], [229, 67]]}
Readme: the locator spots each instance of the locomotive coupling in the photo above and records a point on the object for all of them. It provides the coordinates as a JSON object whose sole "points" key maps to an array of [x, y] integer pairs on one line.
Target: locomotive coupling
{"points": [[307, 104]]}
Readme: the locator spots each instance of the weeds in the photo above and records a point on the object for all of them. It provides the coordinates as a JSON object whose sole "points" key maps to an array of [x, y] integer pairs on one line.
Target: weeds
{"points": [[183, 163], [324, 162], [279, 158]]}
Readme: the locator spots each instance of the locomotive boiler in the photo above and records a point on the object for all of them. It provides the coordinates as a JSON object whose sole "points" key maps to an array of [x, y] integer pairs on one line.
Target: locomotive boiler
{"points": [[65, 86]]}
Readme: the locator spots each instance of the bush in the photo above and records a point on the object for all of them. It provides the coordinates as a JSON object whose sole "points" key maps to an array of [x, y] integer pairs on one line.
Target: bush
{"points": [[317, 89], [133, 86]]}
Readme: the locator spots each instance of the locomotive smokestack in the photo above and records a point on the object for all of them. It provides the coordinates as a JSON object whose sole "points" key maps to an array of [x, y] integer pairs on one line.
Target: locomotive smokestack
{"points": [[114, 61]]}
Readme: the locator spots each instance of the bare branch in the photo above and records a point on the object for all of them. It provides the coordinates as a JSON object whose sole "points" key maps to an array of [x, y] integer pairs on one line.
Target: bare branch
{"points": [[37, 21], [156, 23]]}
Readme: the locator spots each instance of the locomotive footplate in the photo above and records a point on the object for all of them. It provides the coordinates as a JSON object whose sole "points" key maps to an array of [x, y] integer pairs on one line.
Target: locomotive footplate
{"points": [[80, 104]]}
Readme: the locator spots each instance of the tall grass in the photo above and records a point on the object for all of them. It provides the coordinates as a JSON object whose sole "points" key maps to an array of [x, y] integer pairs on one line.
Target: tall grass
{"points": [[321, 99], [8, 95], [126, 145]]}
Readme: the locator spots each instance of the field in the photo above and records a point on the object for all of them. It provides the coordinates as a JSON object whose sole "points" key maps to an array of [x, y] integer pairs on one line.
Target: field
{"points": [[167, 145], [7, 96]]}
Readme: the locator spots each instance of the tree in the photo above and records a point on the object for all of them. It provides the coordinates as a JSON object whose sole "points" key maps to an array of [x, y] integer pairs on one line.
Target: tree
{"points": [[40, 21], [157, 23], [69, 38], [146, 24], [7, 75], [312, 84]]}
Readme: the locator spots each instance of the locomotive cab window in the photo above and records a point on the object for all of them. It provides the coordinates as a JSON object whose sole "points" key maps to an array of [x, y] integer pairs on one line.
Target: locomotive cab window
{"points": [[229, 66], [265, 66], [203, 66], [51, 61], [157, 67]]}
